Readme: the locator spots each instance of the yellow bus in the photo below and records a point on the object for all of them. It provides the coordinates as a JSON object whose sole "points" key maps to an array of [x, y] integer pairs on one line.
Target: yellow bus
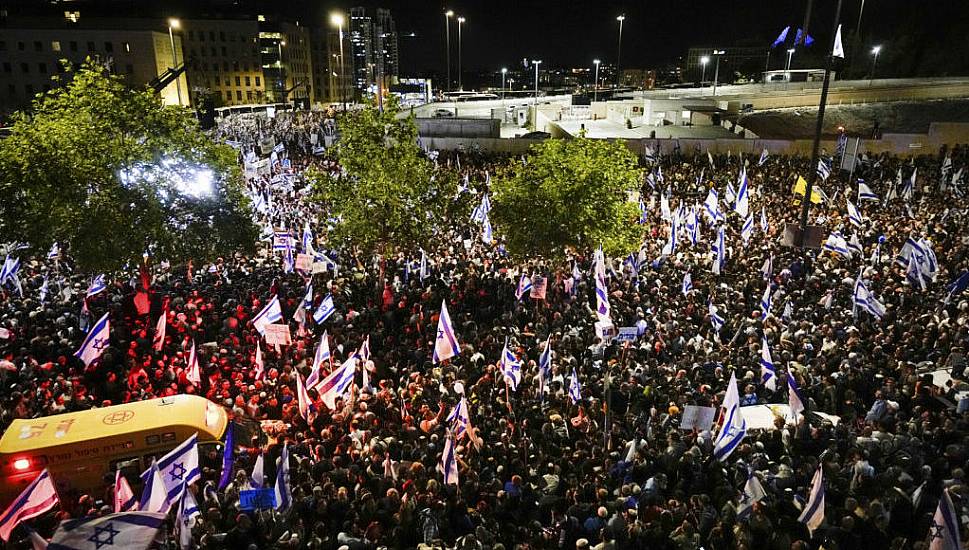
{"points": [[83, 449]]}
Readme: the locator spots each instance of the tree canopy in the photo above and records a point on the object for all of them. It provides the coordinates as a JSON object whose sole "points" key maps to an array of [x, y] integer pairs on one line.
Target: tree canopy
{"points": [[110, 172], [387, 197], [571, 194]]}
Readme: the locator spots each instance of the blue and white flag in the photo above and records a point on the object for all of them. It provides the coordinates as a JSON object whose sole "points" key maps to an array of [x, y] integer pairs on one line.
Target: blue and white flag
{"points": [[854, 216], [715, 319], [643, 218], [307, 239], [96, 341], [511, 367], [480, 212], [487, 233], [460, 420], [425, 272], [958, 285], [865, 193], [9, 273], [813, 513], [687, 284], [764, 226], [914, 274], [742, 204], [97, 286], [763, 157], [865, 300], [729, 194], [283, 493], [836, 243], [767, 270], [768, 376], [545, 365], [780, 40], [670, 247], [282, 240], [719, 251], [854, 245], [39, 497], [228, 457], [322, 356], [188, 513], [765, 302], [944, 531], [909, 189], [747, 230], [575, 388], [154, 495], [55, 252], [824, 171], [269, 314], [335, 385], [449, 462], [180, 464], [731, 434], [603, 308], [446, 342], [257, 479], [127, 530], [324, 310], [753, 492], [795, 404], [308, 296], [524, 286], [711, 207]]}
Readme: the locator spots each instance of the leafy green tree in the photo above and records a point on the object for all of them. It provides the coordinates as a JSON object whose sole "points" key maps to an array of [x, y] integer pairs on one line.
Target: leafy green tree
{"points": [[571, 194], [110, 171], [386, 198]]}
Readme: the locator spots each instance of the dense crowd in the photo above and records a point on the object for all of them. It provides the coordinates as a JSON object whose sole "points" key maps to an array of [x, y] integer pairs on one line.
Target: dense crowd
{"points": [[613, 470]]}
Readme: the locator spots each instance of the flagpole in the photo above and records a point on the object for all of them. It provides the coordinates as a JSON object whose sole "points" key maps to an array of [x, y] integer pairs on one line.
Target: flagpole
{"points": [[806, 204]]}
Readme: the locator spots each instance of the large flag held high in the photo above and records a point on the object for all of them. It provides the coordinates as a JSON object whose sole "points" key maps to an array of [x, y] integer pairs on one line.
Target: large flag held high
{"points": [[446, 343]]}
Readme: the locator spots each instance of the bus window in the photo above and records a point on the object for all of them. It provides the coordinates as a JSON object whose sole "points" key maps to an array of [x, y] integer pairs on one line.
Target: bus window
{"points": [[130, 467]]}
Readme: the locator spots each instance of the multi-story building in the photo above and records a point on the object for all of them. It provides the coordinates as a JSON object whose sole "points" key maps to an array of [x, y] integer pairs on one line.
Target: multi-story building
{"points": [[387, 56], [332, 74], [374, 49], [224, 60], [736, 60], [32, 51]]}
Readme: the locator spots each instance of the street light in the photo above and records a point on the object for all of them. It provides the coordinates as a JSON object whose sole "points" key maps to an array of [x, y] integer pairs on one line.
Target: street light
{"points": [[460, 22], [536, 62], [595, 89], [447, 33], [787, 68], [337, 20], [175, 24], [504, 71], [621, 18], [703, 71], [716, 72], [282, 77], [874, 52]]}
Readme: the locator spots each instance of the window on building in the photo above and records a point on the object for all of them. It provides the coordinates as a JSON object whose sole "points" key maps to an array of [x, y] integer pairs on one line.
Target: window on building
{"points": [[227, 84], [38, 46], [228, 95], [29, 89], [3, 46], [90, 46], [24, 68], [73, 46], [11, 90], [238, 81], [258, 82], [213, 52], [221, 36], [248, 81], [212, 36], [55, 46], [239, 95], [215, 67], [225, 66], [224, 54], [201, 36], [42, 67], [21, 46], [202, 50], [249, 96], [191, 35], [108, 47]]}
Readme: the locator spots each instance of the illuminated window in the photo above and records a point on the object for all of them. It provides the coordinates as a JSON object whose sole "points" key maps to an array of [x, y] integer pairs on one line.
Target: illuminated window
{"points": [[55, 46]]}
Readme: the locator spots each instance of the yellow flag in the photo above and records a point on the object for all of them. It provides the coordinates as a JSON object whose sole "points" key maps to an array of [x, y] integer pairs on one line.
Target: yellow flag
{"points": [[801, 186]]}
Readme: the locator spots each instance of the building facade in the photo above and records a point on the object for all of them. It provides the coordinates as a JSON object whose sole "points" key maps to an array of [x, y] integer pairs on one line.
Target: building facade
{"points": [[374, 50]]}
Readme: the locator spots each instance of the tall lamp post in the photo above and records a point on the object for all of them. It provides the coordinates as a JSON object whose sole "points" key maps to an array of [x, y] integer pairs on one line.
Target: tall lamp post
{"points": [[787, 67], [282, 76], [460, 24], [716, 72], [504, 71], [175, 24], [536, 62], [621, 18], [337, 20], [703, 70], [874, 52], [447, 34], [595, 88]]}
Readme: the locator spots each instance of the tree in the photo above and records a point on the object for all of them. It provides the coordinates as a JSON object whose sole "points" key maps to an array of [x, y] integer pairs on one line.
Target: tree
{"points": [[571, 194], [386, 198], [110, 172]]}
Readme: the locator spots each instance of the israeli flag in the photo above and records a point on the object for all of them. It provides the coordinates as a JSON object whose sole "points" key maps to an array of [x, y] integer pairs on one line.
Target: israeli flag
{"points": [[545, 365], [228, 457], [664, 207], [97, 286], [282, 491], [711, 206], [813, 513], [575, 388], [642, 212], [780, 40], [336, 383], [865, 193], [96, 341], [944, 531], [824, 171], [511, 367], [670, 248], [181, 464], [767, 270], [11, 266], [480, 212], [854, 216], [324, 310], [768, 376], [269, 314], [719, 250], [909, 190], [687, 284], [307, 239], [764, 226], [731, 434], [449, 462], [836, 243], [715, 319], [128, 530], [914, 274], [524, 286], [487, 233], [763, 157], [460, 419], [765, 302], [742, 204], [322, 356], [747, 230], [446, 343], [154, 496], [188, 513], [854, 245], [865, 300], [54, 253], [753, 492], [729, 194], [795, 404]]}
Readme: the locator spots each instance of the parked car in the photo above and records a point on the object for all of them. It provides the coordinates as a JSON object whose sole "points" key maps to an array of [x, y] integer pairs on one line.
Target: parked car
{"points": [[537, 135], [443, 113]]}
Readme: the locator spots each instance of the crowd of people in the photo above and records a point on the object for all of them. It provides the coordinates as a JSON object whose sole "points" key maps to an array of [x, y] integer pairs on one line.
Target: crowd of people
{"points": [[611, 469]]}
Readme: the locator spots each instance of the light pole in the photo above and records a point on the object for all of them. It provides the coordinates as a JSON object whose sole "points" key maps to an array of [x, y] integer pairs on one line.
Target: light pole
{"points": [[703, 71], [595, 89], [282, 76], [787, 68], [536, 62], [447, 34], [716, 72], [460, 23], [621, 18], [874, 52], [337, 19], [504, 71], [175, 24]]}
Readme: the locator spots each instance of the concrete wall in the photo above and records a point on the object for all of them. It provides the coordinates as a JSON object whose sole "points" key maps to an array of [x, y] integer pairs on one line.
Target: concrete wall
{"points": [[459, 127]]}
